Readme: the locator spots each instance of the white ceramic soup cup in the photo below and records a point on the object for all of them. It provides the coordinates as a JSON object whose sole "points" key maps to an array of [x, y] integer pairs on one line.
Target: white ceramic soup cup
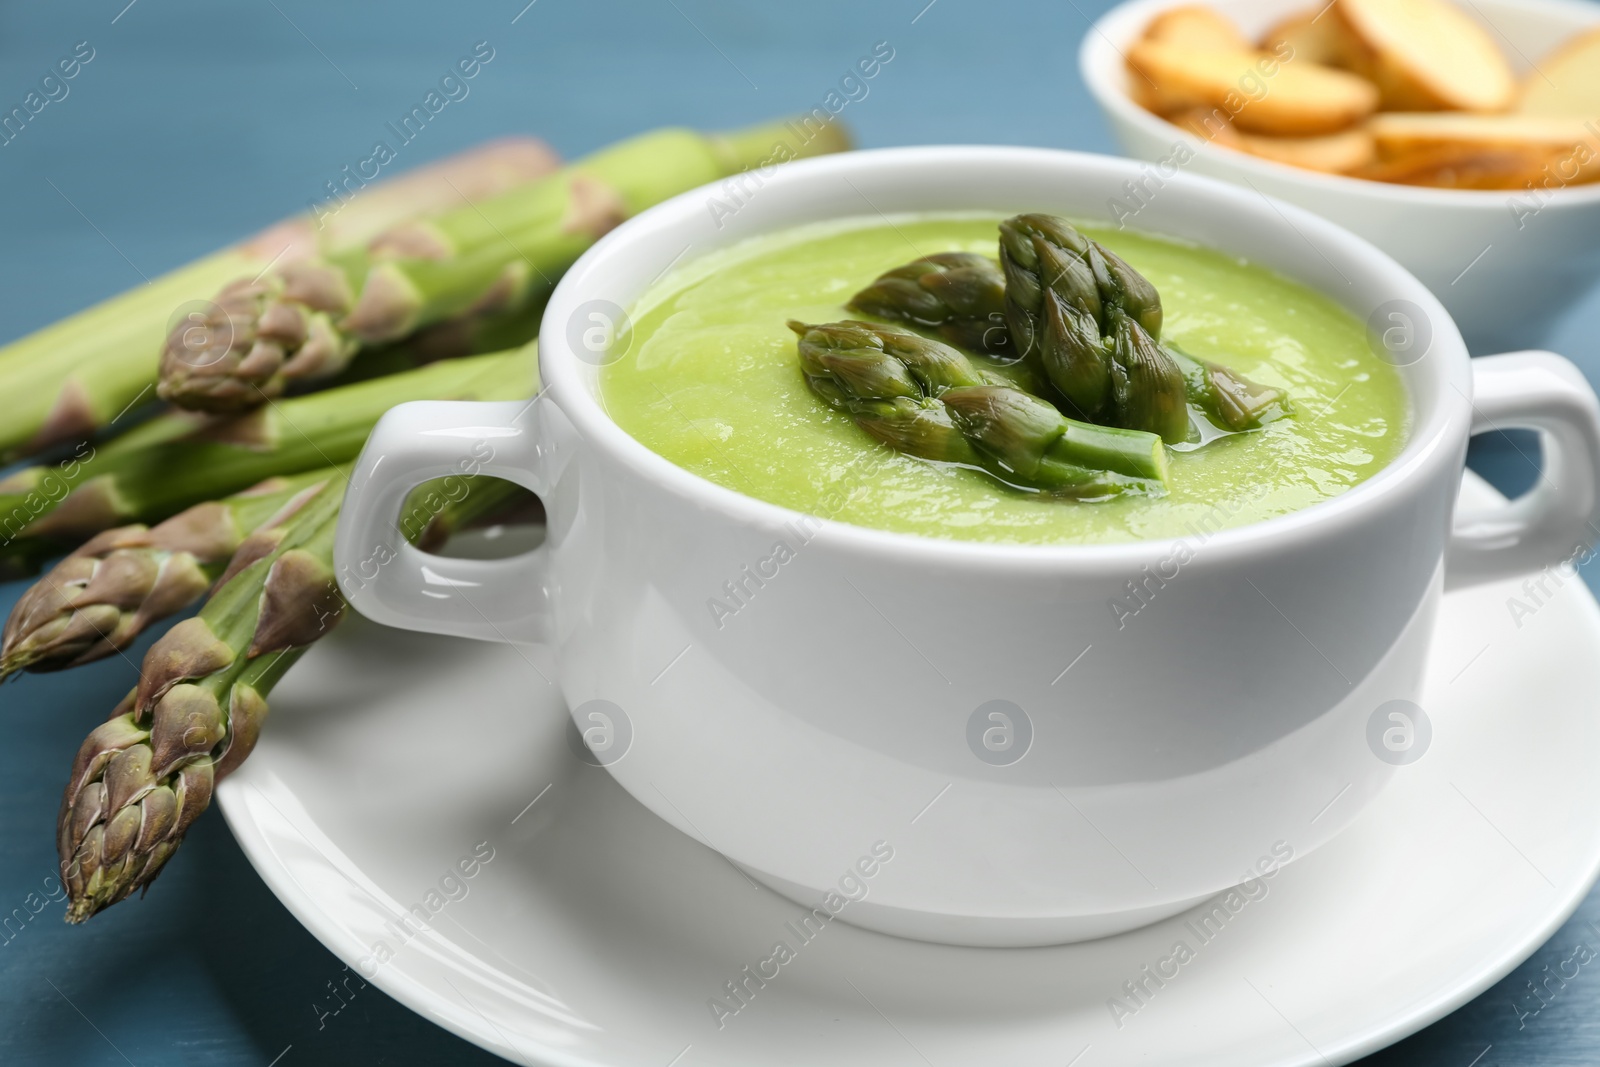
{"points": [[849, 709], [1506, 265]]}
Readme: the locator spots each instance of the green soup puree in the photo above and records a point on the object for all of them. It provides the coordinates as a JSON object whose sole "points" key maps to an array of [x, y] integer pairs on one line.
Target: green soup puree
{"points": [[712, 382]]}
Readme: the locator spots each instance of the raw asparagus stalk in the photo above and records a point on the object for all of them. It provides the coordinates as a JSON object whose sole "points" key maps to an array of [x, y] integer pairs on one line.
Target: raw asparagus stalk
{"points": [[926, 399], [143, 777], [102, 596], [309, 319], [180, 459], [68, 380], [465, 335], [1093, 324]]}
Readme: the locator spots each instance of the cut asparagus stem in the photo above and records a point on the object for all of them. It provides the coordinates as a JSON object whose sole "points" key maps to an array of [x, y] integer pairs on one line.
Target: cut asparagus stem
{"points": [[68, 380], [180, 459], [143, 777], [926, 399], [309, 320]]}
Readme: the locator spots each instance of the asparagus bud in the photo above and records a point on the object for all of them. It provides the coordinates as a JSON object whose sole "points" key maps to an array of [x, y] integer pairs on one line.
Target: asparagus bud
{"points": [[100, 598], [1090, 321], [1125, 289], [921, 427], [1093, 324]]}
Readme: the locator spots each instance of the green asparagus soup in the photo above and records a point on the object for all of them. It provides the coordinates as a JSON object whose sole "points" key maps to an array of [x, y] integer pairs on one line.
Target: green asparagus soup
{"points": [[711, 381]]}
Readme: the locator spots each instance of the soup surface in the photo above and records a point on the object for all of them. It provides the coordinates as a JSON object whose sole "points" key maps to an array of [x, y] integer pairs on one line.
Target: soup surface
{"points": [[711, 381]]}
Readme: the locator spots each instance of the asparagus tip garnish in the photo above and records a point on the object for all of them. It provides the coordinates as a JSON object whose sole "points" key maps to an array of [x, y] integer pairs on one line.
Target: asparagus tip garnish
{"points": [[926, 399]]}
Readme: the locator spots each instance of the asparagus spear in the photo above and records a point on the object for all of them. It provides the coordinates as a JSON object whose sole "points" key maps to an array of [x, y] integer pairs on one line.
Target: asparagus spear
{"points": [[309, 319], [102, 596], [143, 777], [24, 556], [926, 399], [180, 459], [64, 382]]}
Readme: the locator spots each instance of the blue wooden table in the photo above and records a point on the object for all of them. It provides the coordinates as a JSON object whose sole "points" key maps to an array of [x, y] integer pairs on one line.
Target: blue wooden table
{"points": [[195, 123]]}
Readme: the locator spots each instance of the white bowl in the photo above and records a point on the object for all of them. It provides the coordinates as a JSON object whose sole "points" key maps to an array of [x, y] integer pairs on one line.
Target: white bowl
{"points": [[869, 674], [1506, 265]]}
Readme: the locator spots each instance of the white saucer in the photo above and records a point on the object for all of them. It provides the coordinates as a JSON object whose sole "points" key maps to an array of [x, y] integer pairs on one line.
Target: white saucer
{"points": [[597, 934]]}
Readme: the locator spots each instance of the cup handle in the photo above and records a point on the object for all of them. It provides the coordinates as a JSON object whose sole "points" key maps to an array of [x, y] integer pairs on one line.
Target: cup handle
{"points": [[389, 581], [1560, 517]]}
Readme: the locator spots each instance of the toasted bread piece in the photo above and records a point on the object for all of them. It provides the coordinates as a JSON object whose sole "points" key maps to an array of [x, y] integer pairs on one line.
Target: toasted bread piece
{"points": [[1208, 124], [1426, 55], [1314, 36], [1333, 153], [1260, 93], [1197, 26], [1547, 150], [1566, 82], [1462, 167], [1148, 95], [1404, 131]]}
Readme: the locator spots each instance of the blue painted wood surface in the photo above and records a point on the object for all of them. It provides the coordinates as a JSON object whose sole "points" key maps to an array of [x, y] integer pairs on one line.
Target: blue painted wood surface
{"points": [[197, 123]]}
